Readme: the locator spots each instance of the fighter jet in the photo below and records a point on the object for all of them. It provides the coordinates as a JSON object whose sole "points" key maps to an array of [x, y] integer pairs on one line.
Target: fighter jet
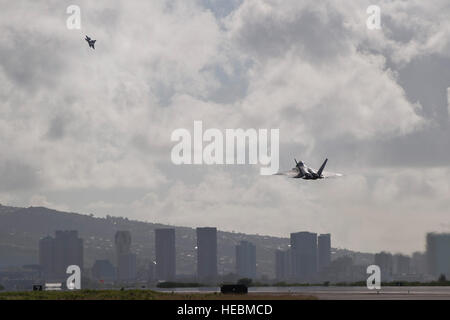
{"points": [[304, 172], [91, 42]]}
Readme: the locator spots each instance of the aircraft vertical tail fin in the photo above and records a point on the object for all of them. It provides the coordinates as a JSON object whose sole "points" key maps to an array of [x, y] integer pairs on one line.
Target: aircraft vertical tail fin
{"points": [[322, 167]]}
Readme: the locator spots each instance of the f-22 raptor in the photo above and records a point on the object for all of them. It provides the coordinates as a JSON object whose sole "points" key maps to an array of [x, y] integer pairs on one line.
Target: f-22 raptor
{"points": [[301, 171], [90, 42]]}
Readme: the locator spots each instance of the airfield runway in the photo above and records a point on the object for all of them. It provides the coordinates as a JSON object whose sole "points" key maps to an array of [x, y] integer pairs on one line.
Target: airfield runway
{"points": [[343, 293], [381, 296], [387, 293]]}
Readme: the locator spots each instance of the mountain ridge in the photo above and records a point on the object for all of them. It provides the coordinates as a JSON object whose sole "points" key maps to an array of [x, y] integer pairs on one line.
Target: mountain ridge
{"points": [[21, 229]]}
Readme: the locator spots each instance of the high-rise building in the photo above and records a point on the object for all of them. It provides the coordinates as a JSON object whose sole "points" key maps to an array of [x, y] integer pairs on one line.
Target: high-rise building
{"points": [[419, 263], [56, 254], [68, 251], [126, 260], [385, 261], [438, 254], [324, 248], [402, 264], [283, 264], [165, 254], [246, 260], [122, 240], [46, 257], [207, 253], [304, 256]]}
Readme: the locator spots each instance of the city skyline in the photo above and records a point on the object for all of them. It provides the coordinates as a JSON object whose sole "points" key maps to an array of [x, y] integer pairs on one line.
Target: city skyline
{"points": [[300, 262], [310, 258]]}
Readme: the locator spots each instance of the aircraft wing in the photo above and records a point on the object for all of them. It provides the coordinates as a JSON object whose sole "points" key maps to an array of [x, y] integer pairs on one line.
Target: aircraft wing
{"points": [[291, 174], [327, 174]]}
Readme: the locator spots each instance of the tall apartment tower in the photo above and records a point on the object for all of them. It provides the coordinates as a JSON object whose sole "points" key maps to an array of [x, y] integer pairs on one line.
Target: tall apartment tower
{"points": [[207, 254], [126, 260], [324, 249], [304, 256], [165, 254], [56, 254], [283, 265], [246, 260], [386, 263], [46, 257], [438, 254], [122, 240]]}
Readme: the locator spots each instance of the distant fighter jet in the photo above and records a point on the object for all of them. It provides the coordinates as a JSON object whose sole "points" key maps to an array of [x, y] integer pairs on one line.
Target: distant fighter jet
{"points": [[91, 42], [304, 172]]}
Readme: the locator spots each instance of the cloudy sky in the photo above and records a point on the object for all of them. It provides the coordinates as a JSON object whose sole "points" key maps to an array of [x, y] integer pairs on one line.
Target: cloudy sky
{"points": [[89, 131]]}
